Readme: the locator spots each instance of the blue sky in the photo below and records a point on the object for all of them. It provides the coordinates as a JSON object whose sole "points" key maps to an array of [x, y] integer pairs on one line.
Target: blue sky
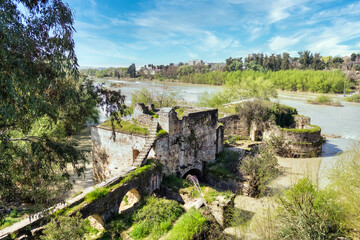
{"points": [[121, 32]]}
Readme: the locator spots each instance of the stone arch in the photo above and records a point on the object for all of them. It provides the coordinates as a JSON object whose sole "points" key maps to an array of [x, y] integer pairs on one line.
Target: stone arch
{"points": [[96, 221], [135, 154], [129, 200], [195, 172]]}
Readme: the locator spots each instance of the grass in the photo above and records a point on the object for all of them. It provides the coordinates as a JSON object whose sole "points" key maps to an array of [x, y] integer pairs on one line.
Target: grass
{"points": [[127, 127], [324, 100], [353, 98], [97, 193], [313, 129], [155, 218], [161, 132], [187, 226]]}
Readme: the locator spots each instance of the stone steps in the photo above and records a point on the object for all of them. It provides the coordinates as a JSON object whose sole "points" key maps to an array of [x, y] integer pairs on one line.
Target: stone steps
{"points": [[150, 140]]}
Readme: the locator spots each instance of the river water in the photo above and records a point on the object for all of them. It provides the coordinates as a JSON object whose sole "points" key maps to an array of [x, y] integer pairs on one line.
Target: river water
{"points": [[341, 121]]}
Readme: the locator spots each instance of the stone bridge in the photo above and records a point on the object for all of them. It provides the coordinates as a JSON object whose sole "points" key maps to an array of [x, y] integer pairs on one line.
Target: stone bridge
{"points": [[101, 201]]}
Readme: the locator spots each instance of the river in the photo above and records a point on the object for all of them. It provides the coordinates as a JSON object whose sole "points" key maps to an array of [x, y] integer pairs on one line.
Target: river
{"points": [[341, 121]]}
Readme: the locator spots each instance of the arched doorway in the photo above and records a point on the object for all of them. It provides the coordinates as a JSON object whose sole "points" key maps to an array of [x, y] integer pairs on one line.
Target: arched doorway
{"points": [[195, 172], [129, 200], [135, 154]]}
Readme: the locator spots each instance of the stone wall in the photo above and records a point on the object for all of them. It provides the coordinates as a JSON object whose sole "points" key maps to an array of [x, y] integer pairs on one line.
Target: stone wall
{"points": [[233, 125], [297, 144], [111, 155], [192, 141]]}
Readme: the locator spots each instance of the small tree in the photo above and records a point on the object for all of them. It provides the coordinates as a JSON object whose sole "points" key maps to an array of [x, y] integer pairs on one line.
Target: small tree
{"points": [[261, 166], [132, 70]]}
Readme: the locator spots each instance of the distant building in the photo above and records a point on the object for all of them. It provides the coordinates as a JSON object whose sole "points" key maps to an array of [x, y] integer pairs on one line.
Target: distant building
{"points": [[195, 62]]}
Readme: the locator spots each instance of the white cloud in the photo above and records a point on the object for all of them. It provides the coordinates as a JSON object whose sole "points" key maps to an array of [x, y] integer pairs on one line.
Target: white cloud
{"points": [[282, 43]]}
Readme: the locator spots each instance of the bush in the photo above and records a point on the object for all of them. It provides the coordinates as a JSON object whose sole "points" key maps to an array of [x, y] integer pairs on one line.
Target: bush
{"points": [[64, 228], [187, 226], [353, 98], [261, 166], [155, 218], [308, 213], [284, 115], [257, 110], [226, 164]]}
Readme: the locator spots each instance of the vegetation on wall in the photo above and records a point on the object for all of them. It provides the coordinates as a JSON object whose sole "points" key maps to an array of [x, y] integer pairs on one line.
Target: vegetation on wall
{"points": [[127, 127]]}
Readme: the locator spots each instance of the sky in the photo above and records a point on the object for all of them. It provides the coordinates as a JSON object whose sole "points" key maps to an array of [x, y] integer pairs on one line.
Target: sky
{"points": [[121, 32]]}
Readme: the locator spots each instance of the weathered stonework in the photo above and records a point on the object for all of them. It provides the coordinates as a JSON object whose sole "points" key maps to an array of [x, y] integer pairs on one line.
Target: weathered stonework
{"points": [[191, 142]]}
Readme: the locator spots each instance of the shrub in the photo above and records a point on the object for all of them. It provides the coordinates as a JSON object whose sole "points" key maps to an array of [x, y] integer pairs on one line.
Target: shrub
{"points": [[155, 218], [324, 100], [174, 182], [284, 115], [353, 98], [308, 213], [261, 166], [344, 180], [257, 110], [187, 226], [226, 163], [313, 129], [64, 228]]}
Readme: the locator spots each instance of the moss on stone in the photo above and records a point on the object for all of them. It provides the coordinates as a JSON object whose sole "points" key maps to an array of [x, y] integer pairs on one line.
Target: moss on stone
{"points": [[313, 129]]}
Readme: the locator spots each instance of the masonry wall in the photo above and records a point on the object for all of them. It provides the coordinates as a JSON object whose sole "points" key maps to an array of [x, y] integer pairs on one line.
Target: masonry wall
{"points": [[110, 155], [233, 125], [192, 141]]}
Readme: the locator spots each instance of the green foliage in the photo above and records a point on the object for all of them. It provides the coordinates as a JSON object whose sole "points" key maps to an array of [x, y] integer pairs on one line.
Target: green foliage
{"points": [[127, 127], [257, 110], [325, 100], [232, 140], [180, 112], [291, 80], [353, 98], [187, 226], [308, 213], [161, 132], [226, 164], [97, 193], [155, 218], [43, 98], [313, 129], [64, 228], [284, 115], [261, 166], [239, 89], [344, 179], [10, 219], [174, 182]]}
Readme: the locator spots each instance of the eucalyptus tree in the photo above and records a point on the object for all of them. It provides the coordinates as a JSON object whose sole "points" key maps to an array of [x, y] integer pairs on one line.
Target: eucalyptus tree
{"points": [[42, 99]]}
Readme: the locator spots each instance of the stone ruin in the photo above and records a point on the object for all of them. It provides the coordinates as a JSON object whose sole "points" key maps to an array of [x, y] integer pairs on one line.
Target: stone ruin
{"points": [[194, 136]]}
